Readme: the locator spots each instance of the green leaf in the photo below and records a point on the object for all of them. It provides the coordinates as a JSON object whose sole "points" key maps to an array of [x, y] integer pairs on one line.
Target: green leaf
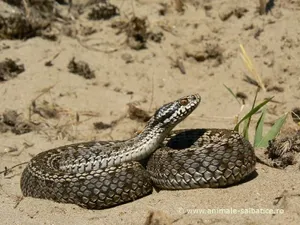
{"points": [[248, 120], [253, 111], [259, 128], [246, 129], [272, 132], [231, 92]]}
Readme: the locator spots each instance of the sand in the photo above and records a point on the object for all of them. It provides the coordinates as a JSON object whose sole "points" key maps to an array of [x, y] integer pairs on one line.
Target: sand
{"points": [[205, 39]]}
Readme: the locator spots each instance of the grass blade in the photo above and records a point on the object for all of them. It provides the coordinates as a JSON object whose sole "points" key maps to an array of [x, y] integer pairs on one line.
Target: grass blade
{"points": [[248, 120], [259, 128], [249, 65], [273, 131], [231, 92], [253, 111], [246, 128]]}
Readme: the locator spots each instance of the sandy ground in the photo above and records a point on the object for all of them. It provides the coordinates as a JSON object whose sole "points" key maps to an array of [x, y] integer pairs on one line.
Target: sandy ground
{"points": [[208, 47]]}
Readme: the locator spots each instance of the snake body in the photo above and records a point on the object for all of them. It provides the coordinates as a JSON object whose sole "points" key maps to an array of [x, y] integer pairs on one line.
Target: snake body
{"points": [[103, 174]]}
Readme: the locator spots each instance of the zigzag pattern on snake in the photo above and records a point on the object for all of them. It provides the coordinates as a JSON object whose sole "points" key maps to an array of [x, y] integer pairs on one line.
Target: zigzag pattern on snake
{"points": [[103, 174]]}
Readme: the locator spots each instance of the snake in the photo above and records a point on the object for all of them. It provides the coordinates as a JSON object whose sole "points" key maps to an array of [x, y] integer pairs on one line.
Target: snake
{"points": [[104, 174]]}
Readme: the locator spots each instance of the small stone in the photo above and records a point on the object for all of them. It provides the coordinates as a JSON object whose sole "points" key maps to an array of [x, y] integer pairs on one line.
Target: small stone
{"points": [[127, 58], [225, 12]]}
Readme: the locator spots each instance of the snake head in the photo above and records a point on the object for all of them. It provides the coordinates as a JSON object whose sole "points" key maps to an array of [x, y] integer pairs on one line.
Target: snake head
{"points": [[170, 114]]}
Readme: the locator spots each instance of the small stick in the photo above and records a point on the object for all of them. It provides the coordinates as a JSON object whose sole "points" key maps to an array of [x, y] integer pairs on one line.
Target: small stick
{"points": [[152, 92], [27, 10], [262, 7], [7, 170], [95, 49]]}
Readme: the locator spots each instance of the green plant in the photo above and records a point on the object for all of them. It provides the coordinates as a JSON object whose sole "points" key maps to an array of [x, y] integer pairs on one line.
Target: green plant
{"points": [[259, 139]]}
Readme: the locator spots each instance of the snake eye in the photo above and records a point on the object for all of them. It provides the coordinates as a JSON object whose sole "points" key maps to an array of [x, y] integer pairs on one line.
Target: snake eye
{"points": [[184, 101]]}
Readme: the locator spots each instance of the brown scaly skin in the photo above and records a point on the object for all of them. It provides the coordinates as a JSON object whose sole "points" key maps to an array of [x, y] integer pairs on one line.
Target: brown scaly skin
{"points": [[200, 158], [99, 175]]}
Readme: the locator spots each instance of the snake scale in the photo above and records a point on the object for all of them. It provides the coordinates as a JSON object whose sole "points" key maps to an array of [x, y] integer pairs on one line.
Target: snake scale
{"points": [[103, 174]]}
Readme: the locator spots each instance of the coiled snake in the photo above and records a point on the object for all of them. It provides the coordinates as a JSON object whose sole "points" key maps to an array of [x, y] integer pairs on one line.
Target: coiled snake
{"points": [[104, 174]]}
